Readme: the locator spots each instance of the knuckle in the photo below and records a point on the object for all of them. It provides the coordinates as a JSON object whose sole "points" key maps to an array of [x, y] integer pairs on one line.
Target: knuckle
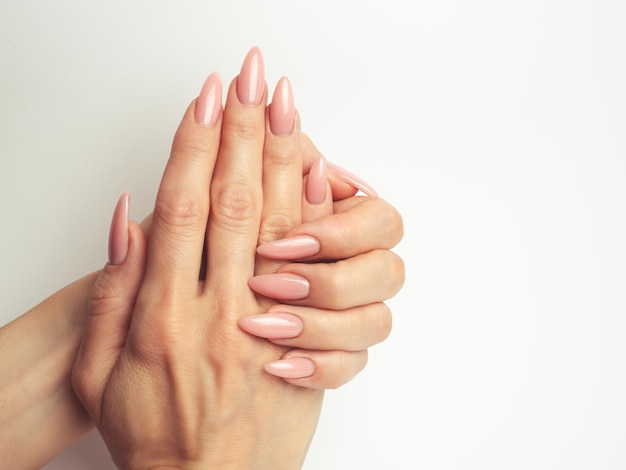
{"points": [[234, 205], [243, 130], [397, 269], [104, 296], [348, 366], [383, 322], [338, 296], [274, 226], [389, 218], [281, 155], [186, 148], [392, 269], [180, 212]]}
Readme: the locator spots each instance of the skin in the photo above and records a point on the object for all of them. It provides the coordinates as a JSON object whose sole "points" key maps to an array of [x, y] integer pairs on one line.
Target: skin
{"points": [[44, 342]]}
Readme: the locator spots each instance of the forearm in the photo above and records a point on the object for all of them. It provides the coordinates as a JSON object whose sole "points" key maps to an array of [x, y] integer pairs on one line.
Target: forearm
{"points": [[40, 415]]}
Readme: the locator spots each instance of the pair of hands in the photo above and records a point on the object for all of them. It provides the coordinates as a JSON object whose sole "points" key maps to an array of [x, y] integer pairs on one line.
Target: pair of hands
{"points": [[165, 369]]}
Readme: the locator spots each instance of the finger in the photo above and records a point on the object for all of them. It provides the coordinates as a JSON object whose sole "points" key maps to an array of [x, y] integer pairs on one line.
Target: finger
{"points": [[317, 200], [359, 225], [350, 178], [111, 302], [341, 189], [182, 204], [352, 329], [363, 279], [236, 191], [318, 369], [282, 170]]}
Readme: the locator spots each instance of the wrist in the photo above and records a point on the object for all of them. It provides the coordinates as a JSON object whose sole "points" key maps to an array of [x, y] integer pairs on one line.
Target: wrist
{"points": [[36, 395]]}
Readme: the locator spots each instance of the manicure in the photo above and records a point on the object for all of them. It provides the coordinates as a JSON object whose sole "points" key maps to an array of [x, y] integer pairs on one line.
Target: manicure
{"points": [[209, 103], [282, 111], [294, 368], [352, 180], [290, 248], [285, 286], [273, 325], [316, 182], [118, 233], [251, 80]]}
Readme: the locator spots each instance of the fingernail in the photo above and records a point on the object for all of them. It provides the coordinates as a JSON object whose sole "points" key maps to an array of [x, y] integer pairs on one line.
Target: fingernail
{"points": [[294, 368], [352, 180], [285, 286], [282, 111], [316, 182], [209, 103], [298, 247], [251, 80], [118, 233], [273, 325]]}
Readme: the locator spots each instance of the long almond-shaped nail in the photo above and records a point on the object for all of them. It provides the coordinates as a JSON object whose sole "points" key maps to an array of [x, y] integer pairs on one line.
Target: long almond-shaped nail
{"points": [[273, 325], [209, 103], [293, 368], [290, 248], [284, 286], [282, 111], [316, 182], [251, 80], [118, 233], [352, 180]]}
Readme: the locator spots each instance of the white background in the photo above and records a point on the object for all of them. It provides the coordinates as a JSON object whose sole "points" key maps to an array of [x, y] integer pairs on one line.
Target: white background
{"points": [[495, 127]]}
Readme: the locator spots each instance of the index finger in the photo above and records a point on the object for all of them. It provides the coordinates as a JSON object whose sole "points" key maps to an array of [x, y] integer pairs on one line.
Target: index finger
{"points": [[359, 225], [182, 203]]}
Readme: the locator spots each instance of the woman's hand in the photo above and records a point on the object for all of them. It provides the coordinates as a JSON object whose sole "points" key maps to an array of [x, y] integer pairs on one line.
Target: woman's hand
{"points": [[345, 260], [344, 314], [173, 381], [330, 331]]}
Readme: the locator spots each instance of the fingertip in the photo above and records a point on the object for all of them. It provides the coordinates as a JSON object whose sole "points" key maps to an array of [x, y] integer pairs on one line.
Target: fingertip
{"points": [[350, 178], [209, 103], [316, 183], [282, 110], [291, 368], [331, 369], [118, 232]]}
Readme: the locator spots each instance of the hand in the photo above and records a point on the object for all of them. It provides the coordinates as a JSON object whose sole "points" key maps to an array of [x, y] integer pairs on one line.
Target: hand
{"points": [[328, 339], [349, 293], [331, 330], [172, 380]]}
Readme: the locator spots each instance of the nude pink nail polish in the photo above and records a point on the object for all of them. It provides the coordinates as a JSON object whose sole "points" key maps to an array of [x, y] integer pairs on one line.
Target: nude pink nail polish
{"points": [[251, 80], [290, 248], [293, 368], [282, 111], [118, 233], [285, 286], [209, 103], [273, 325], [352, 180], [317, 180]]}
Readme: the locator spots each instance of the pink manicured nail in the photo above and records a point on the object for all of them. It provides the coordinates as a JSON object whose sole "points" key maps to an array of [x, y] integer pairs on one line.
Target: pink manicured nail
{"points": [[282, 111], [290, 248], [316, 182], [272, 325], [209, 103], [352, 179], [251, 80], [284, 286], [294, 368], [118, 233]]}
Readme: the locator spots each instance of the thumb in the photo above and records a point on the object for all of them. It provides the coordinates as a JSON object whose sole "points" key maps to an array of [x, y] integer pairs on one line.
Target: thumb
{"points": [[317, 198], [110, 307]]}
